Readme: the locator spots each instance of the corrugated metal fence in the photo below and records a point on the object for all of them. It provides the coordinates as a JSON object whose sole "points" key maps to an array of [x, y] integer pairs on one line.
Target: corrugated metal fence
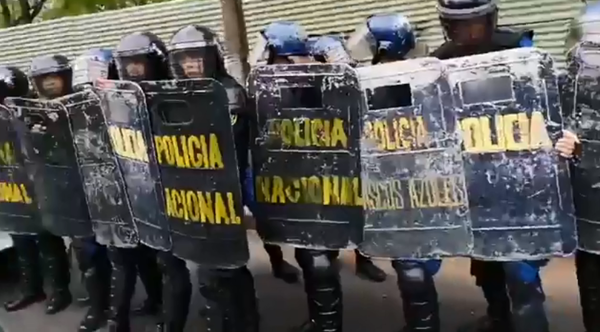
{"points": [[73, 35]]}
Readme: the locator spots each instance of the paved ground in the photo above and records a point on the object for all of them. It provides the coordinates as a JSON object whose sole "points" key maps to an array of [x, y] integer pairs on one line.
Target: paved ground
{"points": [[368, 307]]}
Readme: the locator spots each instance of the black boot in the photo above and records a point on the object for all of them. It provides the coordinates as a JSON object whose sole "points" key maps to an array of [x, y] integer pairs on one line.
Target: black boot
{"points": [[56, 263], [588, 279], [31, 283], [122, 288], [419, 297], [323, 290], [491, 278], [245, 316], [366, 269], [97, 284], [280, 268], [231, 304], [177, 290], [84, 300], [149, 272]]}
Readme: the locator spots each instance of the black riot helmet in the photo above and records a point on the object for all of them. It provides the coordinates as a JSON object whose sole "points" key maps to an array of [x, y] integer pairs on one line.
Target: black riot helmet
{"points": [[51, 76], [468, 22], [141, 56], [13, 83], [195, 52]]}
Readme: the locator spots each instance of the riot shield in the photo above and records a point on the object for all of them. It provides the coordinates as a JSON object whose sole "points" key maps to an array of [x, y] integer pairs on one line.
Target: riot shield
{"points": [[49, 156], [124, 106], [412, 172], [519, 189], [196, 155], [103, 182], [18, 205], [582, 109], [306, 158]]}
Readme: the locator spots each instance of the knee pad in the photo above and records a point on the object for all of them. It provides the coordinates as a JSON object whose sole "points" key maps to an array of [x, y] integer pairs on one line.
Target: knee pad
{"points": [[317, 263], [524, 271], [416, 276], [430, 267]]}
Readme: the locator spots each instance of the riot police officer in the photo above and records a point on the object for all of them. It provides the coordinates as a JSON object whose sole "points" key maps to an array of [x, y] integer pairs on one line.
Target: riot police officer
{"points": [[579, 87], [50, 79], [195, 52], [138, 56], [287, 43], [395, 40], [13, 83], [470, 27], [94, 263]]}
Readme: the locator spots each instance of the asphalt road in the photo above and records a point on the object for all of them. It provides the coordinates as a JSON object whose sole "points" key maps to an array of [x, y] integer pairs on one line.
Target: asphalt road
{"points": [[368, 306]]}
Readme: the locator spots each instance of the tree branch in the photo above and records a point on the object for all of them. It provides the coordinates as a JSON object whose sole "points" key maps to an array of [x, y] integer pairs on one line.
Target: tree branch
{"points": [[37, 8], [25, 16], [6, 13]]}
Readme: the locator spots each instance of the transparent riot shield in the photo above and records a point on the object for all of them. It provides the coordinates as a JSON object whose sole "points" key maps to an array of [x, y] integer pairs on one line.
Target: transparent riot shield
{"points": [[124, 106], [413, 179], [49, 156], [196, 155], [582, 108], [306, 159], [104, 186], [19, 211], [519, 189]]}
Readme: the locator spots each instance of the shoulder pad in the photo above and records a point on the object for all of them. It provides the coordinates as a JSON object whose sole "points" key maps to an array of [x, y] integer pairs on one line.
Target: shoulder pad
{"points": [[507, 38]]}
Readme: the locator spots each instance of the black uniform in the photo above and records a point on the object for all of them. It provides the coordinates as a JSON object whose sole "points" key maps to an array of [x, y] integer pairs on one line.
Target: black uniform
{"points": [[229, 293], [148, 51], [52, 248], [579, 87], [513, 290]]}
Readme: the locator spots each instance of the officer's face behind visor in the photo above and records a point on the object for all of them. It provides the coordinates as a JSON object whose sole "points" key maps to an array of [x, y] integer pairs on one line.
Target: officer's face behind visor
{"points": [[189, 63], [468, 32], [50, 85], [135, 68]]}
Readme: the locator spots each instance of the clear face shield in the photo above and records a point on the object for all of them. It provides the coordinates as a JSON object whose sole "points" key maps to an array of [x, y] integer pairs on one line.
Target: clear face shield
{"points": [[86, 70], [51, 85], [361, 45], [135, 67]]}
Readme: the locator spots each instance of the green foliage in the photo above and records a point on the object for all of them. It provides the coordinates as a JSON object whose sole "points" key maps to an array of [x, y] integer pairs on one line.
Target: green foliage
{"points": [[17, 12], [62, 8]]}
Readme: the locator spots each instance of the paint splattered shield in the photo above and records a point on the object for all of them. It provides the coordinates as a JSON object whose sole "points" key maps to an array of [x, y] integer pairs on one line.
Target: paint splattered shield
{"points": [[196, 157], [581, 106], [413, 179], [123, 104], [49, 156], [103, 182], [19, 212], [306, 155], [519, 194]]}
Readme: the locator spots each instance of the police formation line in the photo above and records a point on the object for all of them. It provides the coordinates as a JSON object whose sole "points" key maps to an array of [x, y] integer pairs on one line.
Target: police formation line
{"points": [[141, 156]]}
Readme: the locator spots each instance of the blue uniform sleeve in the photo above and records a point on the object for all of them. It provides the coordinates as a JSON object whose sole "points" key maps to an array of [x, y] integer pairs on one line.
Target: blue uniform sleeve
{"points": [[526, 41]]}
